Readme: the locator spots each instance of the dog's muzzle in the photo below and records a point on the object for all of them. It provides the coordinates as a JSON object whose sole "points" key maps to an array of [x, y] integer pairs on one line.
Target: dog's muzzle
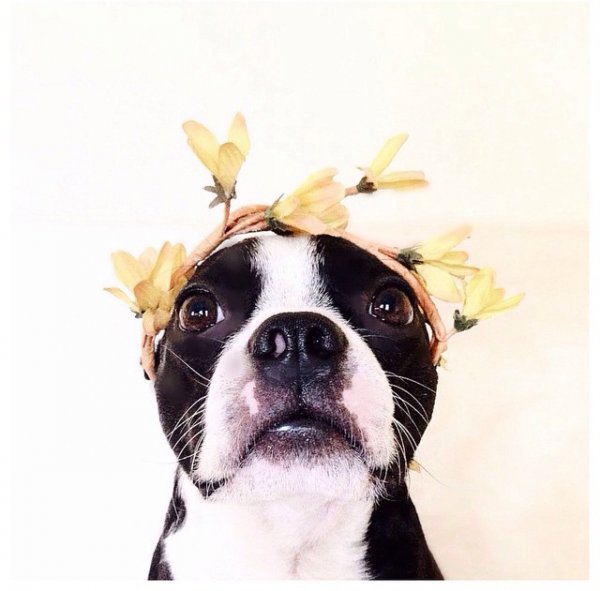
{"points": [[299, 363]]}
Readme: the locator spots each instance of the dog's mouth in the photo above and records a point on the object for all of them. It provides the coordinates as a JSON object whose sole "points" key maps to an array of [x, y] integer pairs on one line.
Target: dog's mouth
{"points": [[303, 435]]}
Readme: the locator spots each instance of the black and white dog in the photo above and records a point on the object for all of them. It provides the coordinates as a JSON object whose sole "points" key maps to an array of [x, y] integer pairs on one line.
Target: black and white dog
{"points": [[294, 382]]}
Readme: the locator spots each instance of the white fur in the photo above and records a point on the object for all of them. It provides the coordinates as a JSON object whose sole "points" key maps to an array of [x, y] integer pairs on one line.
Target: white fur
{"points": [[304, 536]]}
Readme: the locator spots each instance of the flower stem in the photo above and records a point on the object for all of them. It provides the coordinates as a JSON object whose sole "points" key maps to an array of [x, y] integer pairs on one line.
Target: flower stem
{"points": [[247, 221], [226, 212]]}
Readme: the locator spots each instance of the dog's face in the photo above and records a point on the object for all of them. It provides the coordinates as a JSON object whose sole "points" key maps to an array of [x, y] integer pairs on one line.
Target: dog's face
{"points": [[294, 365]]}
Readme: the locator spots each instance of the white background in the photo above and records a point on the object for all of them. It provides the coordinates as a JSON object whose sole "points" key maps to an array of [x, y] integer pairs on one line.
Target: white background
{"points": [[494, 98]]}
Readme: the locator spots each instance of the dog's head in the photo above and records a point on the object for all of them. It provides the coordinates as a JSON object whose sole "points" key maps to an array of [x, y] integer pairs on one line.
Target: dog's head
{"points": [[295, 365]]}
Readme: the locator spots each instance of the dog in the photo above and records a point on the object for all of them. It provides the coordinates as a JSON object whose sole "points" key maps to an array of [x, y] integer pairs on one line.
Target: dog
{"points": [[294, 382]]}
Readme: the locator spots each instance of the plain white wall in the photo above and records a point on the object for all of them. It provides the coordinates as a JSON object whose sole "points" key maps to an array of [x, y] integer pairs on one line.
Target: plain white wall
{"points": [[494, 97]]}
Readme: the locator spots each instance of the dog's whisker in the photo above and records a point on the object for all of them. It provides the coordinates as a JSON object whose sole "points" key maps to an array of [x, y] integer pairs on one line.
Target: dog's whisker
{"points": [[397, 388], [193, 422], [401, 447], [201, 401], [401, 377], [409, 415], [183, 437], [206, 381], [400, 398], [404, 429], [380, 336], [408, 434]]}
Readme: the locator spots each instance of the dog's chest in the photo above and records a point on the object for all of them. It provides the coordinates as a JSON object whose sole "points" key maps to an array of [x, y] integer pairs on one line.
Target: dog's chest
{"points": [[299, 538]]}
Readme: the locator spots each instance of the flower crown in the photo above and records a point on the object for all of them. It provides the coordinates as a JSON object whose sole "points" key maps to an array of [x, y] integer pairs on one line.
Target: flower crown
{"points": [[432, 269]]}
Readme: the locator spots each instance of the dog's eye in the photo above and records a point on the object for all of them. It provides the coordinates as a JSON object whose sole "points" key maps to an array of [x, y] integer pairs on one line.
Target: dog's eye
{"points": [[392, 305], [199, 312]]}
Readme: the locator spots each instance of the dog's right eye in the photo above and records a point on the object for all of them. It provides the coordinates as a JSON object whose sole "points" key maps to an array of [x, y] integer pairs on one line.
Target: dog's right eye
{"points": [[199, 312]]}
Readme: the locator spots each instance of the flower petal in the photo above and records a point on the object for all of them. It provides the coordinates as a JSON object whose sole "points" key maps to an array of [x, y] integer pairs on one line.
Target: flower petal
{"points": [[147, 295], [335, 217], [178, 256], [401, 185], [387, 153], [167, 300], [285, 206], [161, 319], [316, 179], [414, 465], [496, 296], [456, 270], [306, 223], [230, 162], [163, 269], [203, 143], [477, 292], [322, 198], [147, 261], [405, 176], [437, 247], [500, 307], [238, 134], [127, 269], [455, 257], [119, 293], [439, 283]]}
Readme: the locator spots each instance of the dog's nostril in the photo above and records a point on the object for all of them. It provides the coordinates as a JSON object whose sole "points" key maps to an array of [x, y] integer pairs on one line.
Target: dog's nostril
{"points": [[269, 344], [324, 341]]}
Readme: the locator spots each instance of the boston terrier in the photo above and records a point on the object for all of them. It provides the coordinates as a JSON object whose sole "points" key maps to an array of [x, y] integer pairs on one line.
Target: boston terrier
{"points": [[294, 382]]}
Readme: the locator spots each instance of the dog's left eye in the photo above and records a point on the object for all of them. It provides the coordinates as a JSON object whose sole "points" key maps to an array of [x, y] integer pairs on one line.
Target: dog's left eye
{"points": [[199, 312], [392, 305]]}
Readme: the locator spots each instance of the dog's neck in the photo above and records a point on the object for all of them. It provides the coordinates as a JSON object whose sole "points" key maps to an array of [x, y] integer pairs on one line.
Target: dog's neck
{"points": [[304, 536]]}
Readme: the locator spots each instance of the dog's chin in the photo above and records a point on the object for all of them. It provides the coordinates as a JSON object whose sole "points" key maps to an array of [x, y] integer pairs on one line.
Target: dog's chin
{"points": [[268, 473], [301, 455]]}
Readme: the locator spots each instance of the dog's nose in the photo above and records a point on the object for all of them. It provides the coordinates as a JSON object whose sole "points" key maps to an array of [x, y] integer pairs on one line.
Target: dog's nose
{"points": [[298, 339]]}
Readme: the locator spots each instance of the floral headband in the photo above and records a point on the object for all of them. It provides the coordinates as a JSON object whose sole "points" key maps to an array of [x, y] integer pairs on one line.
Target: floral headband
{"points": [[432, 269]]}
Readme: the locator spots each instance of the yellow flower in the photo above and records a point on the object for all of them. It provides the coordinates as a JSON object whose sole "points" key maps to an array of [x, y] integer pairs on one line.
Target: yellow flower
{"points": [[414, 465], [149, 279], [438, 265], [374, 179], [314, 207], [222, 160], [483, 300]]}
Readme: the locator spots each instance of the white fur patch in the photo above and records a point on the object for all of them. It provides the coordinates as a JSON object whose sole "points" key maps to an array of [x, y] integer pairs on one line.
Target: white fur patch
{"points": [[248, 396], [304, 536]]}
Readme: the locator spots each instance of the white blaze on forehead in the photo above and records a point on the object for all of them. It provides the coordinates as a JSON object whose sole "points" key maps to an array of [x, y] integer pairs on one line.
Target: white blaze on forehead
{"points": [[289, 268]]}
